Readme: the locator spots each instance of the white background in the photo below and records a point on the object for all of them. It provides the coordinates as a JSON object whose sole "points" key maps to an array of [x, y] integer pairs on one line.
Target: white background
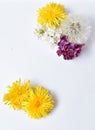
{"points": [[23, 56]]}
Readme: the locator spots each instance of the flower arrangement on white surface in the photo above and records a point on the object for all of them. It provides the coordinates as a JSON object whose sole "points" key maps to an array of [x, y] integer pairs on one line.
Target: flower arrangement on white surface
{"points": [[35, 100], [55, 24]]}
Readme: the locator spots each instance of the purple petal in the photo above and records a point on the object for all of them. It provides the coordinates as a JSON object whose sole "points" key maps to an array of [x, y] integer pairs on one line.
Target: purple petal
{"points": [[59, 52], [69, 50]]}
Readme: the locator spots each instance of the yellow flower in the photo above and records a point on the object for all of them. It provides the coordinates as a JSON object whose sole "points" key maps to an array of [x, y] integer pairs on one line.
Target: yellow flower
{"points": [[52, 15], [40, 103], [17, 94]]}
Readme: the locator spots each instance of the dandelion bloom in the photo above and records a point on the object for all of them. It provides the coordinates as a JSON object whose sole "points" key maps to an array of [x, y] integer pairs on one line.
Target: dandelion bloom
{"points": [[52, 15], [76, 28], [17, 94], [40, 103]]}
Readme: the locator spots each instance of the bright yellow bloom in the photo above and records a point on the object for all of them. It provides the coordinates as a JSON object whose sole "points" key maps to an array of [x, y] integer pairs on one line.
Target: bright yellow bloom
{"points": [[17, 94], [52, 15], [40, 103]]}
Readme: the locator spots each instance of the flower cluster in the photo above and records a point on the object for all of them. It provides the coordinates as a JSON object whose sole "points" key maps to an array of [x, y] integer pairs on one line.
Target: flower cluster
{"points": [[69, 50], [54, 23], [36, 101]]}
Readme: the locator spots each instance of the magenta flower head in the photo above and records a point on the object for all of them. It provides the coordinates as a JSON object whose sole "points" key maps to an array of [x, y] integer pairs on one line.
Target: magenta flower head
{"points": [[68, 50]]}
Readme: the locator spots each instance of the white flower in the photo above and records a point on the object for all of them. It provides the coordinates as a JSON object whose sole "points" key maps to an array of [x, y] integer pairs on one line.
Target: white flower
{"points": [[52, 35], [76, 28], [39, 31]]}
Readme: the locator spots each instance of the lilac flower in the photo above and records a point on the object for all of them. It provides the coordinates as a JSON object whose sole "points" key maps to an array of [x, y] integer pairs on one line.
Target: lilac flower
{"points": [[69, 50]]}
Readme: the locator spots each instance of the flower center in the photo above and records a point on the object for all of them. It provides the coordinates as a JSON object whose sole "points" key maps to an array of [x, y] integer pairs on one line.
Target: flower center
{"points": [[37, 103]]}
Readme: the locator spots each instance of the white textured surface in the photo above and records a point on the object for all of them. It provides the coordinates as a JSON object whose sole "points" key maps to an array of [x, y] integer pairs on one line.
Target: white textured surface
{"points": [[24, 56]]}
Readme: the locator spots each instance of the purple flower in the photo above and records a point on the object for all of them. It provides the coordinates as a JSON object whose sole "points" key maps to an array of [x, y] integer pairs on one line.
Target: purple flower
{"points": [[69, 50]]}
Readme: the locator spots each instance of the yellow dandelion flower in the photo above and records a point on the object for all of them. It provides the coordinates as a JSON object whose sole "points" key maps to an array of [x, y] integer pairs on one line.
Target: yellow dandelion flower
{"points": [[40, 103], [52, 15], [17, 94]]}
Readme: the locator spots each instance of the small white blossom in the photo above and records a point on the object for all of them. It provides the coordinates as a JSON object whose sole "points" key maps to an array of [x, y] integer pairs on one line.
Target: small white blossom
{"points": [[52, 35], [39, 31]]}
